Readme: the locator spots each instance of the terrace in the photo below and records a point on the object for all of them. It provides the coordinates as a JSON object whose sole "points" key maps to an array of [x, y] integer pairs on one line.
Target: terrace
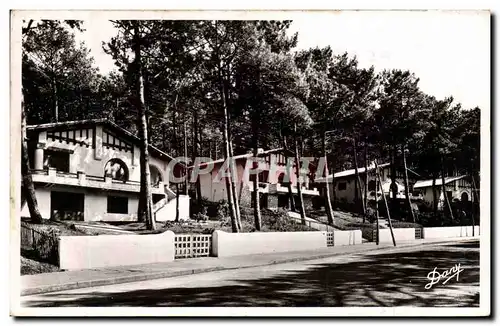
{"points": [[80, 179]]}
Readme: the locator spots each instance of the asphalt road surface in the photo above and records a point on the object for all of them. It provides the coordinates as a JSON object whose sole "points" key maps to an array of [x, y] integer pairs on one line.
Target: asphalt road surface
{"points": [[393, 277]]}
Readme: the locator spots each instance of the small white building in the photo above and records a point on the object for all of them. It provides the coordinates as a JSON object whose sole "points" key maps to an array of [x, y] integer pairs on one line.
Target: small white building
{"points": [[89, 170], [342, 188], [457, 189]]}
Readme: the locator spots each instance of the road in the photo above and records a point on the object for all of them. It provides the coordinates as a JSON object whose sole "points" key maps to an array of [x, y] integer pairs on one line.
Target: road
{"points": [[392, 277]]}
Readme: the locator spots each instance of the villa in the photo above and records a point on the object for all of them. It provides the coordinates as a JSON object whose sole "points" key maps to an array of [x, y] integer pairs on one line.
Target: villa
{"points": [[273, 186], [89, 170]]}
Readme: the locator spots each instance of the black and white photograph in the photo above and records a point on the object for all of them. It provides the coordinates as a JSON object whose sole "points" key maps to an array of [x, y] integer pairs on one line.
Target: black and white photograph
{"points": [[321, 163]]}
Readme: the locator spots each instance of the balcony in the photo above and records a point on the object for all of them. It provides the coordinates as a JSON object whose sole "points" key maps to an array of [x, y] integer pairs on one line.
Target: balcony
{"points": [[80, 179], [311, 192]]}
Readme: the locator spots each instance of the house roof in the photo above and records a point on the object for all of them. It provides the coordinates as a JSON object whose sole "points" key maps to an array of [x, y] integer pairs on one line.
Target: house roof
{"points": [[361, 170], [243, 156], [91, 122], [350, 172], [428, 183]]}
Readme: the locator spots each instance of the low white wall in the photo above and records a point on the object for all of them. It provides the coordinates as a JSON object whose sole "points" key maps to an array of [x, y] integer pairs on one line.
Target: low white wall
{"points": [[450, 232], [344, 238], [84, 252], [399, 234], [234, 244], [167, 212]]}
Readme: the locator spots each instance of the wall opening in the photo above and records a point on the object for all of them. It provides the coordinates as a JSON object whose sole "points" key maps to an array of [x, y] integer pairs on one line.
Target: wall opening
{"points": [[155, 174], [56, 159], [67, 206], [117, 205], [117, 169]]}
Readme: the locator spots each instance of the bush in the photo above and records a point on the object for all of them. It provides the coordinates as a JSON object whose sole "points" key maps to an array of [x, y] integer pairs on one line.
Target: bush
{"points": [[279, 221], [371, 214], [205, 209]]}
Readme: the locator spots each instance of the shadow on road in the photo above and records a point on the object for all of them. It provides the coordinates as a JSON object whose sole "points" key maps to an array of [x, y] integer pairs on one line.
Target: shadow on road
{"points": [[389, 279]]}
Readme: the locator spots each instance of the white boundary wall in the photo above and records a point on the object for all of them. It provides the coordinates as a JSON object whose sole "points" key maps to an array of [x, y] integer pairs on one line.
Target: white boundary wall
{"points": [[402, 234], [85, 252], [344, 238], [450, 232], [233, 244]]}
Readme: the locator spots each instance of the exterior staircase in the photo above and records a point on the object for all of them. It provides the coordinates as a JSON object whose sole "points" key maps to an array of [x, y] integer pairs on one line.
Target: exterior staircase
{"points": [[165, 209]]}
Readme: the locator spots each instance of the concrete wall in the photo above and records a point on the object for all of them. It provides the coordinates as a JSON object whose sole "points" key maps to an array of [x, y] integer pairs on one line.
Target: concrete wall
{"points": [[450, 232], [95, 204], [167, 213], [344, 238], [43, 199], [399, 235], [85, 252], [233, 244]]}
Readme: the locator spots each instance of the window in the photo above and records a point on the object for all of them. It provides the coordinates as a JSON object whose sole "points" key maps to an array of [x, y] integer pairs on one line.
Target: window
{"points": [[117, 205], [342, 186], [371, 185], [56, 159]]}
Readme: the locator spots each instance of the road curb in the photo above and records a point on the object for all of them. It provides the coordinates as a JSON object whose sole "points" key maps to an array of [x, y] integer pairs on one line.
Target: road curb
{"points": [[169, 274]]}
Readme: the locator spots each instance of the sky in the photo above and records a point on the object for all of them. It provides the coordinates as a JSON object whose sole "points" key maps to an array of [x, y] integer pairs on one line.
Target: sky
{"points": [[448, 51]]}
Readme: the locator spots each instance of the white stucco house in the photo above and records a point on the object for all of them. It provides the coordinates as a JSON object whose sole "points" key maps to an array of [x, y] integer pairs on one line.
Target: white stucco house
{"points": [[272, 182], [89, 170], [457, 189], [342, 184]]}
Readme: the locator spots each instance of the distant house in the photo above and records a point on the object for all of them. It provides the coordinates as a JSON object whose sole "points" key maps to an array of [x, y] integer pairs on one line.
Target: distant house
{"points": [[343, 188], [89, 170], [457, 189], [272, 185]]}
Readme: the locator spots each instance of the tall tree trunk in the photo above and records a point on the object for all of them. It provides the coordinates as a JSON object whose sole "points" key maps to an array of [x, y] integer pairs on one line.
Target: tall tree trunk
{"points": [[56, 100], [435, 199], [394, 187], [291, 200], [27, 180], [357, 181], [227, 152], [233, 185], [174, 126], [145, 199], [328, 201], [256, 193], [297, 173], [184, 135], [197, 151], [407, 184], [376, 206], [446, 199], [234, 171], [386, 205], [472, 199], [176, 146], [177, 202], [366, 180]]}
